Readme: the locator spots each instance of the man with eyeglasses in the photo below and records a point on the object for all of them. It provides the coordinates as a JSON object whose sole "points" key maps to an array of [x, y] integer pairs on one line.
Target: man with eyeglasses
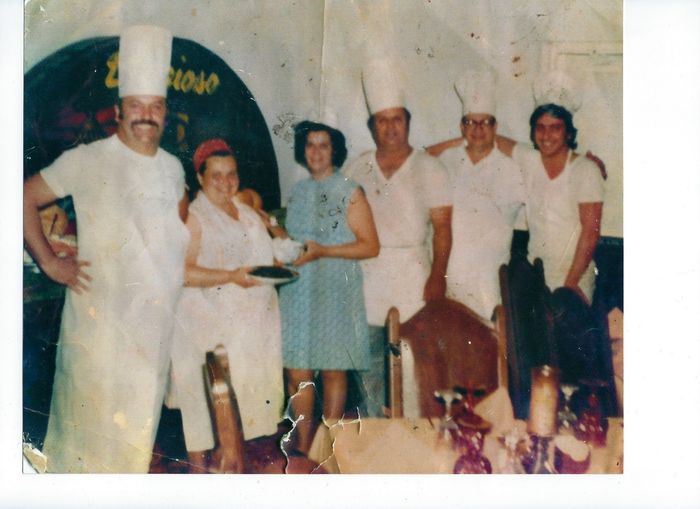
{"points": [[487, 194]]}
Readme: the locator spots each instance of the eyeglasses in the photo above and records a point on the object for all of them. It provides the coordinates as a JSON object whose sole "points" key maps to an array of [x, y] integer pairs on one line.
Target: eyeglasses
{"points": [[487, 122]]}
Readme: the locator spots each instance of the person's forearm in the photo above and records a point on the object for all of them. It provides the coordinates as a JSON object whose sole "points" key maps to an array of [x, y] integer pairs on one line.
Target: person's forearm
{"points": [[585, 247], [442, 244], [505, 145], [358, 250], [201, 277], [277, 232], [34, 238]]}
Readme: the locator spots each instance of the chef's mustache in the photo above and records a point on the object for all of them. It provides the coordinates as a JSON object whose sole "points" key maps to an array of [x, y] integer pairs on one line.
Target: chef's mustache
{"points": [[146, 122]]}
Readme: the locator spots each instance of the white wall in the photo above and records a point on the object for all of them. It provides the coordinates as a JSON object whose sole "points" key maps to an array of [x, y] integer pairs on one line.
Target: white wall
{"points": [[279, 48]]}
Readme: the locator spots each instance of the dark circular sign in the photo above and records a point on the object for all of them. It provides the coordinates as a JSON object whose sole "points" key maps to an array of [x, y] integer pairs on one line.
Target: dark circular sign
{"points": [[69, 99]]}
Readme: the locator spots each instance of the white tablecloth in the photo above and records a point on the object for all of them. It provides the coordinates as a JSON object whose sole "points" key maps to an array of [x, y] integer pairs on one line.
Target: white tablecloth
{"points": [[413, 446]]}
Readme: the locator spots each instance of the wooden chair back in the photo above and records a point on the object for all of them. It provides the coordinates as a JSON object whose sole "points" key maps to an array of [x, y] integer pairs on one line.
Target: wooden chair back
{"points": [[528, 326], [262, 455], [451, 346], [226, 416]]}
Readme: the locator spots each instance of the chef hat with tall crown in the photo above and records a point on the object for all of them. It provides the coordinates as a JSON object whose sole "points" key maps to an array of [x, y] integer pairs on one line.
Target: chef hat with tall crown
{"points": [[477, 91], [323, 115], [383, 82], [144, 60], [557, 87]]}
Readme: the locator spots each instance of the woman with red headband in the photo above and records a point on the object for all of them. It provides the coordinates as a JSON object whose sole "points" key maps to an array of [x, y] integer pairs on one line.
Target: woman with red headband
{"points": [[221, 304]]}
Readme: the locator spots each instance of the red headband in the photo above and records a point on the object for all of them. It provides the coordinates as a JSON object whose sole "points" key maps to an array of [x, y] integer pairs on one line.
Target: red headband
{"points": [[206, 149]]}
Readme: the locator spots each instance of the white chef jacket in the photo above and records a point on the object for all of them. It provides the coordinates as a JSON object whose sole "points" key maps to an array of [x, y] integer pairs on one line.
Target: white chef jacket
{"points": [[486, 199], [553, 213], [114, 345], [401, 209]]}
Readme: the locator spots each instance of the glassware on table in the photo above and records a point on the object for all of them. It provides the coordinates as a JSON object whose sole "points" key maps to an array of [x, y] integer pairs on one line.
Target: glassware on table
{"points": [[542, 421], [592, 427], [447, 397], [511, 443], [468, 437], [567, 418], [571, 456], [537, 459], [544, 401]]}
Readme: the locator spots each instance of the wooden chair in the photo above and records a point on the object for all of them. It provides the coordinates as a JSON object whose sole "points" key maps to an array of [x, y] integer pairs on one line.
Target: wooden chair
{"points": [[528, 326], [550, 328], [263, 455], [451, 346]]}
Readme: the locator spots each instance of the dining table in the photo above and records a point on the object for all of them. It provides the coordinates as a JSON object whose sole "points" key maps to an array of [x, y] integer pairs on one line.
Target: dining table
{"points": [[419, 445]]}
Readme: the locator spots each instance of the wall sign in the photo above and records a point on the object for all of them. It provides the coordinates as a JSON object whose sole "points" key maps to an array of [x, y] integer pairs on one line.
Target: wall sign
{"points": [[69, 99]]}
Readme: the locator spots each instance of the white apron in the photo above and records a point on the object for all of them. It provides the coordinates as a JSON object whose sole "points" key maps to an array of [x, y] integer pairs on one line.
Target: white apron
{"points": [[395, 278], [486, 200], [401, 210], [245, 321], [114, 345]]}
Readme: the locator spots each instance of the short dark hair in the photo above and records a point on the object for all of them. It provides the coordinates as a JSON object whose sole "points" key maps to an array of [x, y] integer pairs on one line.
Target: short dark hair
{"points": [[557, 112], [338, 147], [370, 120]]}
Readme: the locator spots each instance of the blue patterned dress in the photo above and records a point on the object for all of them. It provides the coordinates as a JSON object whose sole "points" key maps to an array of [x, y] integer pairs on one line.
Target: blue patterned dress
{"points": [[324, 325]]}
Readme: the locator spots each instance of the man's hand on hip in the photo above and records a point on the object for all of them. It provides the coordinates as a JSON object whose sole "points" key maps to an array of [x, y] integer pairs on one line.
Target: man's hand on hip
{"points": [[68, 271]]}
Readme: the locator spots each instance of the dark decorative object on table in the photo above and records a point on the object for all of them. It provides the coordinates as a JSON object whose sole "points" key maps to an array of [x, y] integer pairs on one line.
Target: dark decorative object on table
{"points": [[468, 436]]}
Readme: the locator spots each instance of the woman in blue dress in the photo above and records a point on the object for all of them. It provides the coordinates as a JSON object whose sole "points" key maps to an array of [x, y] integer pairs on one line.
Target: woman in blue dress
{"points": [[324, 325]]}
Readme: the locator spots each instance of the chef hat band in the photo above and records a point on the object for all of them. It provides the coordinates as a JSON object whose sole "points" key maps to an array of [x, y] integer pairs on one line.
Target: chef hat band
{"points": [[557, 87], [144, 60], [383, 84], [206, 149], [477, 91]]}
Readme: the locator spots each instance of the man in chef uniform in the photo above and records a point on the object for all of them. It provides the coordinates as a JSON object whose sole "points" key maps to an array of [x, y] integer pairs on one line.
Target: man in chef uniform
{"points": [[408, 193], [487, 192], [564, 190], [114, 345]]}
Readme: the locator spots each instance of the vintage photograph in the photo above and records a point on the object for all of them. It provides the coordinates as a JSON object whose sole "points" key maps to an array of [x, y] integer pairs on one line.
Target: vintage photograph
{"points": [[323, 237]]}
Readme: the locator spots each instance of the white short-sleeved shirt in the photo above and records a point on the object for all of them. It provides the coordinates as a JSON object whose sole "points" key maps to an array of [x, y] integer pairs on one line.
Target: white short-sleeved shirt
{"points": [[401, 208], [401, 204], [553, 212]]}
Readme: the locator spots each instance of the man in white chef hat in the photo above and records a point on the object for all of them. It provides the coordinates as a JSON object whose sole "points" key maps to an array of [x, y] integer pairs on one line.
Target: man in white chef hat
{"points": [[564, 190], [114, 344], [564, 203], [408, 193], [487, 194]]}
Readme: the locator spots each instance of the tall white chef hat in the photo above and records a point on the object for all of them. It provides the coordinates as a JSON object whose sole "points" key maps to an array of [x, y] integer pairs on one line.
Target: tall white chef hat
{"points": [[327, 115], [144, 60], [557, 87], [477, 91], [383, 83]]}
